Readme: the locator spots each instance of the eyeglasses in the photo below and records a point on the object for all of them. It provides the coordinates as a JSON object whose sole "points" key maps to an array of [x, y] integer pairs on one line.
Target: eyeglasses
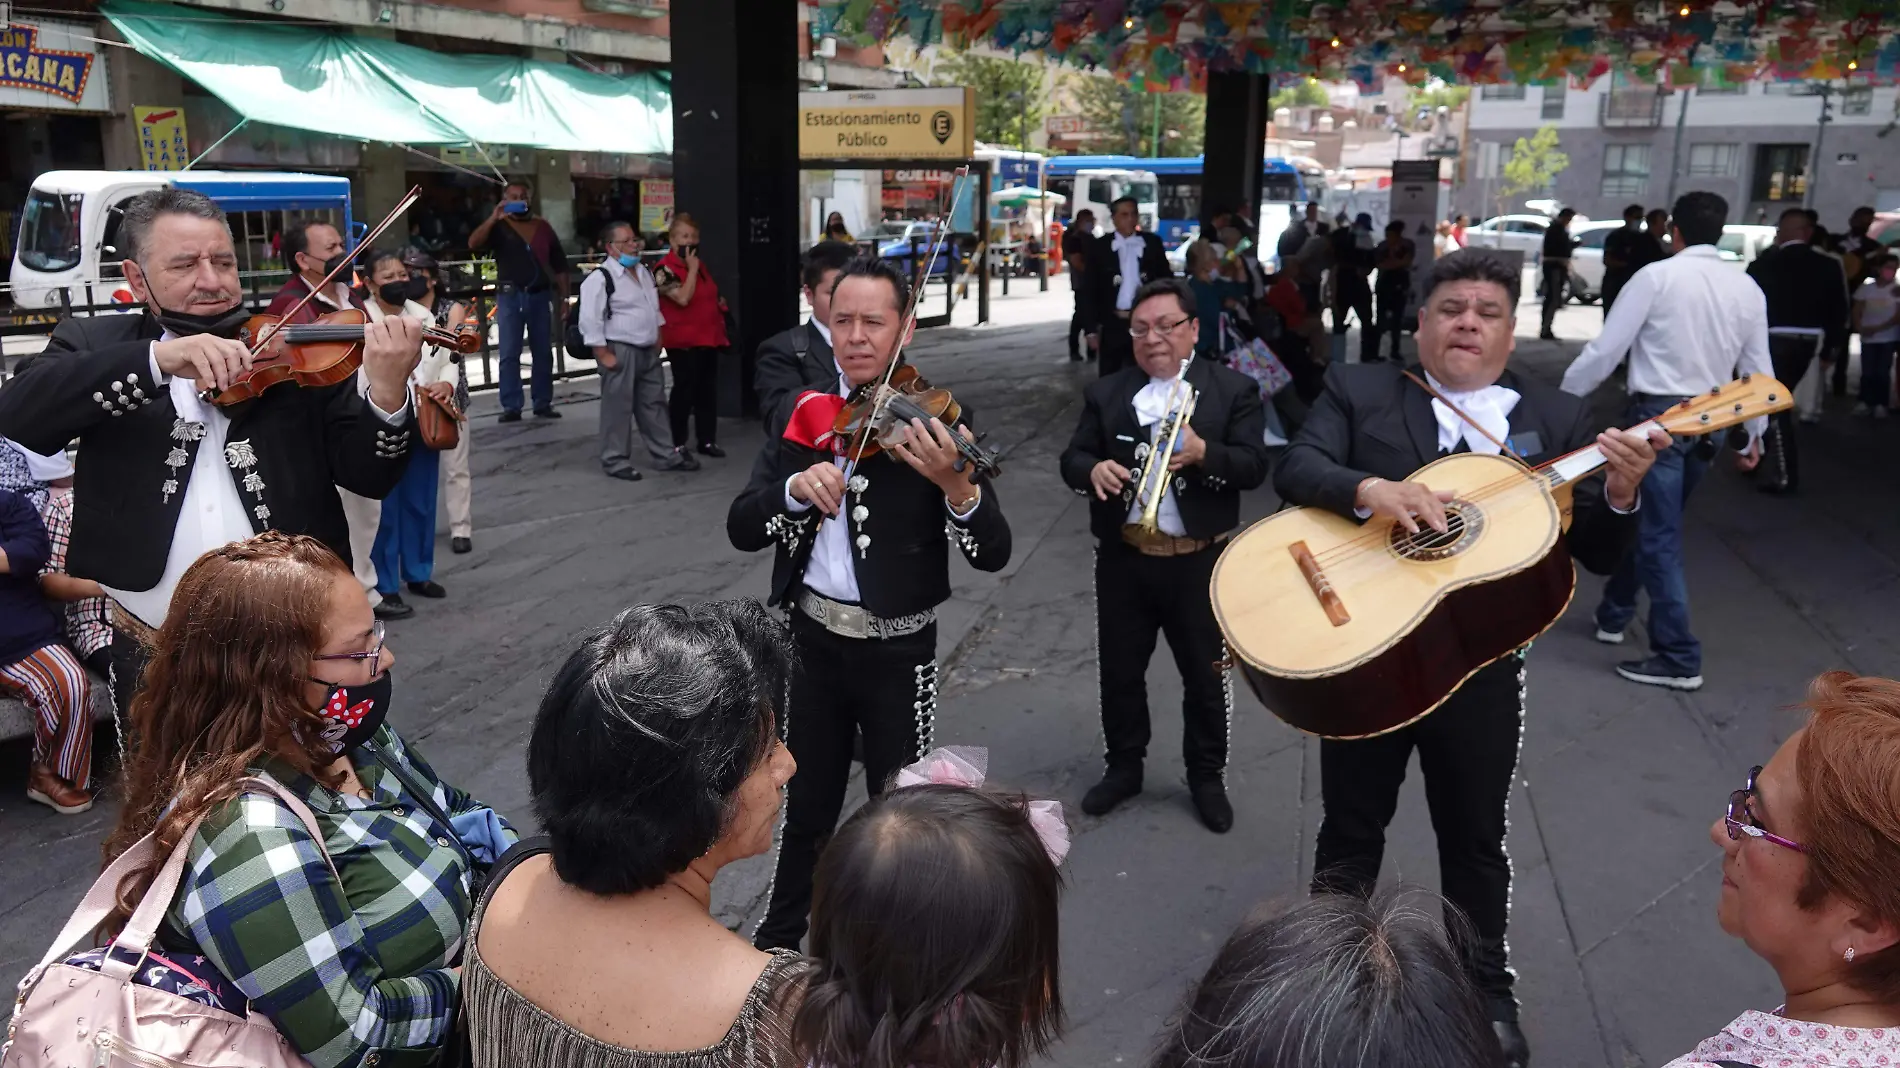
{"points": [[374, 654], [1740, 822], [1164, 329]]}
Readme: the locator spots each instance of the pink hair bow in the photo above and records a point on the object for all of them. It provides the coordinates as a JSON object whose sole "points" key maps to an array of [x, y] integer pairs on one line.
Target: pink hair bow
{"points": [[967, 766]]}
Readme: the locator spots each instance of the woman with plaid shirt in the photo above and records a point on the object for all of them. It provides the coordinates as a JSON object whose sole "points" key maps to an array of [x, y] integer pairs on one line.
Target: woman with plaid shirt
{"points": [[271, 663]]}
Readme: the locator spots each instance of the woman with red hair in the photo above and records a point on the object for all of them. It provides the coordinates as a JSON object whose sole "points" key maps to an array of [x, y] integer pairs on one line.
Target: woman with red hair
{"points": [[1811, 846]]}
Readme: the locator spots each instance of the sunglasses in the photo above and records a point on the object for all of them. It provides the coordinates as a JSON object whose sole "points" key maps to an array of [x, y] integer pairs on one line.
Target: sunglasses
{"points": [[374, 654], [1741, 822]]}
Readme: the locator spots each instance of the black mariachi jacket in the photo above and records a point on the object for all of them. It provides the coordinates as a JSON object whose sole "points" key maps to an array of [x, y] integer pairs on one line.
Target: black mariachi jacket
{"points": [[1102, 282], [790, 362], [900, 528], [292, 445], [1227, 415]]}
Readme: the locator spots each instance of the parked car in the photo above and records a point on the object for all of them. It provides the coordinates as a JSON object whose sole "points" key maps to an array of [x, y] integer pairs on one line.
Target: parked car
{"points": [[1740, 244], [900, 239], [1525, 233]]}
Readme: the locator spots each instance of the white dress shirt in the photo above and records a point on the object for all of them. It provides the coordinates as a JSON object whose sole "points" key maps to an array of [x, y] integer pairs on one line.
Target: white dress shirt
{"points": [[830, 572], [1689, 323], [436, 364], [635, 307], [1128, 250], [1151, 406], [213, 513]]}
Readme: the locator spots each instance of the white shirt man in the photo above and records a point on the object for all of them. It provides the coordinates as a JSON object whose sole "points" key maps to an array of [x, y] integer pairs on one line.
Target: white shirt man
{"points": [[620, 323]]}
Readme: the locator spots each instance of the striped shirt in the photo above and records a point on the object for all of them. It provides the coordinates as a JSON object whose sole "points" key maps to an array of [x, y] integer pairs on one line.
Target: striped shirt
{"points": [[344, 970]]}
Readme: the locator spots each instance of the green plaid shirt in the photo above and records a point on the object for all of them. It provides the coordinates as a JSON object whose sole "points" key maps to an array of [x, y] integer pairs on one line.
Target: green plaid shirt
{"points": [[351, 974]]}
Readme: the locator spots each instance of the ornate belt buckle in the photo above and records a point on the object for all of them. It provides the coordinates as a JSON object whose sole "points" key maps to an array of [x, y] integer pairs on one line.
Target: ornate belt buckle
{"points": [[851, 621]]}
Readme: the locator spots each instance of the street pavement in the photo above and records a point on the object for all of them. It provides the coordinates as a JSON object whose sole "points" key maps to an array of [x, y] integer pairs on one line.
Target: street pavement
{"points": [[1613, 935]]}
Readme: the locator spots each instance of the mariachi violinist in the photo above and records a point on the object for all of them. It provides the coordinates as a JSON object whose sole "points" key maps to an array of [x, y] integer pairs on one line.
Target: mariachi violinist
{"points": [[165, 476], [862, 564], [1161, 509]]}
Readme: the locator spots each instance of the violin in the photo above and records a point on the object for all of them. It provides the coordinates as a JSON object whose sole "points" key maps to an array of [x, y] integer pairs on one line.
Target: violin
{"points": [[320, 353], [878, 414]]}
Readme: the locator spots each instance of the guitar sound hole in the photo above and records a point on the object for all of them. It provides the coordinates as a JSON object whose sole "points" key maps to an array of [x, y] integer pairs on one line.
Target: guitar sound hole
{"points": [[1464, 521]]}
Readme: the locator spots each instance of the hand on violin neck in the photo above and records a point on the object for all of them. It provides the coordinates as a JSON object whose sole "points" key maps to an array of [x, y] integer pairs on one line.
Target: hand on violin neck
{"points": [[821, 485], [391, 349], [210, 361], [930, 451]]}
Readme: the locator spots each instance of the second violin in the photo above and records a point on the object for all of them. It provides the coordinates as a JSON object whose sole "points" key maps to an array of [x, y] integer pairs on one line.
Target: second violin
{"points": [[320, 353]]}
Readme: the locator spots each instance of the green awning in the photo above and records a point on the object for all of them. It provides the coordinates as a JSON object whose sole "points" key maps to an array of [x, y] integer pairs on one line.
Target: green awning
{"points": [[372, 89]]}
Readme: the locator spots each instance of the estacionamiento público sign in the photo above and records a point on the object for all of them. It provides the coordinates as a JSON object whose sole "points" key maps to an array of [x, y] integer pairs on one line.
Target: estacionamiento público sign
{"points": [[886, 124]]}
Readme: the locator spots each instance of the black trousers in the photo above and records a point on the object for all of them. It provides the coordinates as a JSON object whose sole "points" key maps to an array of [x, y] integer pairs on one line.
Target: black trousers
{"points": [[1556, 277], [1350, 292], [1780, 464], [1391, 320], [1118, 349], [886, 689], [1076, 330], [695, 394], [1137, 597], [128, 663], [1467, 750]]}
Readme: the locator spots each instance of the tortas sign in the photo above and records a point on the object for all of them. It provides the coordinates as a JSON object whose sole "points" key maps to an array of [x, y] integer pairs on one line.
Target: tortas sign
{"points": [[47, 66]]}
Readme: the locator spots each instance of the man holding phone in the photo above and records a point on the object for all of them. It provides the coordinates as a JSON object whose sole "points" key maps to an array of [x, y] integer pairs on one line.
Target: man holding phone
{"points": [[529, 263]]}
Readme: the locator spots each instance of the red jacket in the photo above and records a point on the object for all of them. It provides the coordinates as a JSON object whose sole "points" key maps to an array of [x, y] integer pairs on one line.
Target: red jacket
{"points": [[698, 324]]}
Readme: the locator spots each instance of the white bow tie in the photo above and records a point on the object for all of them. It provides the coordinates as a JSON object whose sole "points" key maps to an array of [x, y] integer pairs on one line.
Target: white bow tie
{"points": [[1151, 400], [1123, 241], [1491, 407]]}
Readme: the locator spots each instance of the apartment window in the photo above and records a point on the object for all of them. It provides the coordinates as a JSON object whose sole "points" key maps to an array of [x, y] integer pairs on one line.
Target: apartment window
{"points": [[1786, 89], [1625, 170], [1554, 101], [1501, 92], [1713, 161], [1858, 100], [1781, 172]]}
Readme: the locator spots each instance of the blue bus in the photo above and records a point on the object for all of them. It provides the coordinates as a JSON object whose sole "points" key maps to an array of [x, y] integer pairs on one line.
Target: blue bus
{"points": [[1180, 181]]}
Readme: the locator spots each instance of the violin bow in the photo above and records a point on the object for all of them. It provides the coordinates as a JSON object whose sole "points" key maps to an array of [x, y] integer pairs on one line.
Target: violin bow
{"points": [[955, 193], [415, 194]]}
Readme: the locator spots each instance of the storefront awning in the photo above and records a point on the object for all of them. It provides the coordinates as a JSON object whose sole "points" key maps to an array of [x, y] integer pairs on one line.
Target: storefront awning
{"points": [[371, 89]]}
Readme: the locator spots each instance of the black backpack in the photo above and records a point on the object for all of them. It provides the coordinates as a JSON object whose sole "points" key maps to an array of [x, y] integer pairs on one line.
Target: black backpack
{"points": [[577, 347]]}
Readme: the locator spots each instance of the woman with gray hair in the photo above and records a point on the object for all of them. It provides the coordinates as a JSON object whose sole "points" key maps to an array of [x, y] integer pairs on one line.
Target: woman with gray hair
{"points": [[1335, 982]]}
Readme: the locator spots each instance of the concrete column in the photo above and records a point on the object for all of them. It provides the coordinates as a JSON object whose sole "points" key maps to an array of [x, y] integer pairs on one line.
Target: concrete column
{"points": [[553, 181], [1237, 113], [378, 187], [735, 164], [135, 81]]}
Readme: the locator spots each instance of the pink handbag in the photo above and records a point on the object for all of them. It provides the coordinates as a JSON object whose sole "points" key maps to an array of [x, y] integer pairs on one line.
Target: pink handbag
{"points": [[71, 1016]]}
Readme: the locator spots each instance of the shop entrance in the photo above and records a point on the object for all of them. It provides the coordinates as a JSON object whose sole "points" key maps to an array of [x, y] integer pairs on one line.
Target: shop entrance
{"points": [[896, 209]]}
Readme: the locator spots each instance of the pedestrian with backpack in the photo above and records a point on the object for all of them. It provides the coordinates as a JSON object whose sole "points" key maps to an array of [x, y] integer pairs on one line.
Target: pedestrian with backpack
{"points": [[620, 325]]}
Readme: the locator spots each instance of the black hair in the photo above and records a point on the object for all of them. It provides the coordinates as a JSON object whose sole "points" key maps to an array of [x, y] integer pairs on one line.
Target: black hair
{"points": [[1115, 205], [1633, 209], [1567, 213], [377, 256], [297, 237], [1475, 265], [645, 734], [825, 256], [1335, 982], [607, 232], [1090, 212], [1395, 226], [1795, 213], [1876, 261], [1700, 216], [934, 919], [519, 183], [1174, 287], [868, 266], [139, 214]]}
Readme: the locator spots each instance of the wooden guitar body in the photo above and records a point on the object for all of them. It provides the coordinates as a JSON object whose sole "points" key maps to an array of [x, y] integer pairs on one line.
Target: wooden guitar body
{"points": [[1347, 630]]}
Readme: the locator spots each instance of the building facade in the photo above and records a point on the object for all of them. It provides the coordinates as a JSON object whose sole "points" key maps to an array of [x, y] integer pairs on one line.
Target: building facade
{"points": [[1762, 146]]}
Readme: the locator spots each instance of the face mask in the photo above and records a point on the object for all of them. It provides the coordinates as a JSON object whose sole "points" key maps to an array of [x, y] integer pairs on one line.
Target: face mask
{"points": [[628, 260], [351, 714], [219, 324], [415, 288], [393, 292], [515, 207]]}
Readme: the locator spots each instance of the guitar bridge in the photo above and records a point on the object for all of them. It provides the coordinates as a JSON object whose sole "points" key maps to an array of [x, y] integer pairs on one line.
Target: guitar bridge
{"points": [[1321, 586]]}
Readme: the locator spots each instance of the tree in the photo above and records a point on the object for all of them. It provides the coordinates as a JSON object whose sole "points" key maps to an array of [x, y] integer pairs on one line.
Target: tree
{"points": [[1130, 121], [1009, 95], [1305, 93], [1433, 96], [1534, 164]]}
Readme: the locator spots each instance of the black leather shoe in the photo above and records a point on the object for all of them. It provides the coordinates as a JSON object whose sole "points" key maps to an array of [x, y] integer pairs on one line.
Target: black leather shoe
{"points": [[510, 415], [391, 607], [546, 413], [1117, 785], [428, 588], [1211, 804], [625, 475], [1517, 1052], [461, 545], [713, 451]]}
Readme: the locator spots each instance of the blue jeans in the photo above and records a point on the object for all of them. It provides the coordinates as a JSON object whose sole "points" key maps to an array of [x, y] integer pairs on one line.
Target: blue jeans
{"points": [[405, 542], [1654, 563], [513, 309], [1876, 370]]}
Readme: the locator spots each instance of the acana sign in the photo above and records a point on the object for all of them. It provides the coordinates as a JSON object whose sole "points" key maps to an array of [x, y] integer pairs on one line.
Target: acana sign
{"points": [[22, 66]]}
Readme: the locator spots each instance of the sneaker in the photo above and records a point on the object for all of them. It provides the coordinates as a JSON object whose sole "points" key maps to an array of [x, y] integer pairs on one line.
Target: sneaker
{"points": [[1658, 672], [1609, 637], [45, 786], [1862, 409], [1117, 785]]}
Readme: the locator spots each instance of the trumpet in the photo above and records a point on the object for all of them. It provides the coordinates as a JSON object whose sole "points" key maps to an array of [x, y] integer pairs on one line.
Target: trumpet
{"points": [[1154, 477]]}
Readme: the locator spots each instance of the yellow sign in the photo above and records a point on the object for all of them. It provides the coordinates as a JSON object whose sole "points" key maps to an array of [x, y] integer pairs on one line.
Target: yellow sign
{"points": [[162, 138], [895, 124]]}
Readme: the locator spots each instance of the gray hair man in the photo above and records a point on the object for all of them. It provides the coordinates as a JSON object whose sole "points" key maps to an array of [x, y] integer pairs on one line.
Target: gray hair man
{"points": [[620, 324]]}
